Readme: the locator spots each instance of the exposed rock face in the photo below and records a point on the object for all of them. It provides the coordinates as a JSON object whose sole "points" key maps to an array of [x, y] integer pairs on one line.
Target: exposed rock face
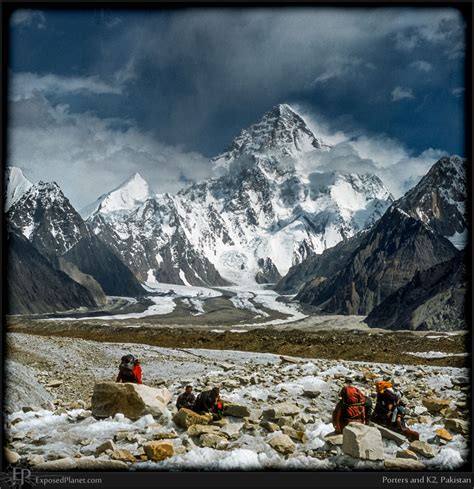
{"points": [[184, 418], [268, 273], [362, 441], [94, 258], [132, 400], [48, 220], [317, 268], [434, 299], [440, 198], [35, 286], [387, 258], [85, 280]]}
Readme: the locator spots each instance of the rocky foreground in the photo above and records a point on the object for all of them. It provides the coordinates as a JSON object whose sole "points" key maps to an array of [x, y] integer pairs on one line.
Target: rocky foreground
{"points": [[280, 419]]}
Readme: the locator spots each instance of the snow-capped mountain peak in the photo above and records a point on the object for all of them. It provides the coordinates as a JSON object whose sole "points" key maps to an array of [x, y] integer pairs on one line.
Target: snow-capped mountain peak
{"points": [[16, 184], [281, 132], [46, 217], [128, 195]]}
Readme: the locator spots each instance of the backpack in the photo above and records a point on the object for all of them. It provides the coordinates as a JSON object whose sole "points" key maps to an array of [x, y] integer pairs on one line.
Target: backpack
{"points": [[126, 367], [352, 396]]}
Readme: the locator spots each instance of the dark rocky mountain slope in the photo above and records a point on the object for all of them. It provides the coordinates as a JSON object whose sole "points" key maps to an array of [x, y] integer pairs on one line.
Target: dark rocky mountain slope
{"points": [[434, 299], [35, 286], [48, 220], [387, 258]]}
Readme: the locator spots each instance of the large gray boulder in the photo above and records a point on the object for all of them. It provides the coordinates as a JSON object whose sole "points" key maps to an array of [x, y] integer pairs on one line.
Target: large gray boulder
{"points": [[132, 400], [391, 435], [22, 388], [361, 441], [281, 409]]}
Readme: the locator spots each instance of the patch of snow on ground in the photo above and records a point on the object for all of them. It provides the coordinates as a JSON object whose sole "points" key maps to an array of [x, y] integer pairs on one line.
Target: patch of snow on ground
{"points": [[436, 354]]}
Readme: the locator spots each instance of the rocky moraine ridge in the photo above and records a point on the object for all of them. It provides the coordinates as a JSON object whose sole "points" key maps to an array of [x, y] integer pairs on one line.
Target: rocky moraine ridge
{"points": [[277, 414]]}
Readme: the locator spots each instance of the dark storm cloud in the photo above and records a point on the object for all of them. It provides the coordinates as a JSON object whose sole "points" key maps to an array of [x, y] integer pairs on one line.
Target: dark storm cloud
{"points": [[188, 80]]}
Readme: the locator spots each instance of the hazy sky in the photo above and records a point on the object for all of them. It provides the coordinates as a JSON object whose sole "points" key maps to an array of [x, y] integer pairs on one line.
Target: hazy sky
{"points": [[96, 95]]}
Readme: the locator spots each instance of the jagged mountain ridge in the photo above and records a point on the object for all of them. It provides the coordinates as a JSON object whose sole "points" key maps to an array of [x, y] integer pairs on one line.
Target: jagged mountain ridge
{"points": [[262, 208], [15, 185], [281, 132], [126, 196], [440, 198], [387, 258], [446, 178], [48, 220]]}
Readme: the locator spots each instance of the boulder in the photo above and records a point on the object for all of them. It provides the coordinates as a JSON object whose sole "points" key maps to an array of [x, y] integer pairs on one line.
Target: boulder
{"points": [[407, 454], [292, 433], [123, 455], [457, 426], [103, 447], [158, 450], [362, 441], [436, 405], [282, 444], [269, 426], [11, 457], [212, 440], [390, 435], [236, 410], [444, 434], [333, 439], [35, 459], [402, 464], [184, 418], [422, 448], [132, 400], [312, 392], [168, 435], [199, 429], [281, 409], [449, 413]]}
